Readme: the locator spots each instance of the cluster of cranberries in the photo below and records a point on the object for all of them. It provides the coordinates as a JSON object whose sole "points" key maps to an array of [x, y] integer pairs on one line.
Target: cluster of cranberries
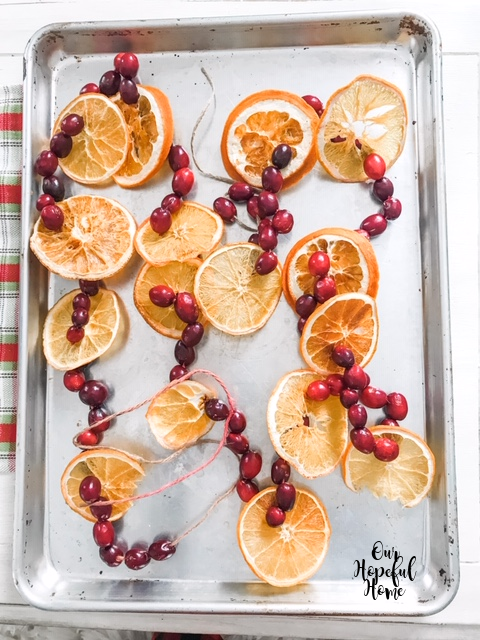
{"points": [[356, 393], [324, 287], [119, 79], [285, 494]]}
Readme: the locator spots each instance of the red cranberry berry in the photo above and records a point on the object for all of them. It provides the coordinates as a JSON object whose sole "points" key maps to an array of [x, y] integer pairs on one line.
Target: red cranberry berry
{"points": [[81, 301], [373, 398], [280, 471], [109, 84], [253, 208], [161, 550], [162, 296], [250, 465], [357, 414], [178, 158], [184, 355], [103, 533], [374, 166], [363, 440], [392, 208], [267, 238], [305, 305], [178, 372], [318, 390], [93, 393], [272, 179], [374, 224], [46, 164], [237, 442], [80, 317], [386, 450], [89, 287], [335, 383], [343, 356], [266, 263], [112, 556], [246, 489], [127, 65], [44, 200], [160, 220], [101, 511], [301, 325], [192, 334], [225, 209], [325, 288], [54, 186], [88, 439], [355, 377], [72, 124], [363, 233], [182, 181], [238, 422], [348, 397], [315, 103], [75, 334], [90, 87], [61, 145], [185, 307], [383, 188], [275, 516], [52, 217], [74, 379], [282, 221], [281, 156], [171, 202], [240, 192], [129, 91], [390, 422], [90, 489], [137, 558], [319, 264], [216, 409], [285, 496], [116, 61], [396, 407], [96, 414], [267, 203]]}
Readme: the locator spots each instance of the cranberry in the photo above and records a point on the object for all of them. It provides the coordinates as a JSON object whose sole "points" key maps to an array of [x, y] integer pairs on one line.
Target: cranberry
{"points": [[305, 305], [112, 556], [238, 422], [319, 264], [171, 202], [93, 393], [363, 233], [96, 414], [116, 61], [162, 296], [335, 383], [89, 287], [75, 334], [81, 301], [54, 186], [253, 208], [373, 398], [109, 83], [285, 495], [182, 181], [52, 217], [225, 209], [103, 533], [90, 489], [184, 355], [281, 156], [383, 188], [80, 317], [374, 224], [374, 166], [161, 550], [74, 380], [72, 124], [185, 307], [101, 511], [137, 558], [267, 238], [355, 377], [250, 465], [266, 263], [357, 414], [282, 221], [315, 103], [178, 158], [90, 87], [386, 449], [363, 440], [192, 334], [392, 208], [266, 223], [267, 203], [272, 179], [127, 65], [348, 397], [237, 442], [325, 288], [318, 391], [246, 489], [160, 220], [129, 91], [280, 471], [275, 516], [216, 409], [44, 200], [389, 422], [178, 372], [343, 356], [396, 407], [301, 325], [46, 164], [240, 192], [88, 439]]}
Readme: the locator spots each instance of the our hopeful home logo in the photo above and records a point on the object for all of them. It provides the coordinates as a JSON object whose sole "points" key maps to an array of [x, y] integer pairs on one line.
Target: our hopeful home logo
{"points": [[388, 566]]}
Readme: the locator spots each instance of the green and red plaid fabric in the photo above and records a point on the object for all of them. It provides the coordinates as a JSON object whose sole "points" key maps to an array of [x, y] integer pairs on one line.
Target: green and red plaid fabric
{"points": [[10, 199]]}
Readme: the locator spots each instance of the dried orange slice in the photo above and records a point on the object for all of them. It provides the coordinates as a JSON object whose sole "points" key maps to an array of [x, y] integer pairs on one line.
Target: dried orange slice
{"points": [[368, 115], [177, 415], [100, 331], [231, 294], [118, 473], [195, 230], [95, 241], [179, 276], [349, 319], [150, 127], [261, 122], [100, 149], [353, 263], [287, 555], [408, 478], [311, 436]]}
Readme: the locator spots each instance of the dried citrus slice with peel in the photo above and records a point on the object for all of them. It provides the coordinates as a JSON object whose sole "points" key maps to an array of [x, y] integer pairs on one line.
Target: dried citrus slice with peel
{"points": [[368, 115], [179, 276], [177, 415], [287, 555], [100, 149], [312, 436], [195, 230], [408, 478], [95, 241], [231, 294], [349, 319], [100, 330], [260, 123], [118, 473], [150, 127], [353, 263]]}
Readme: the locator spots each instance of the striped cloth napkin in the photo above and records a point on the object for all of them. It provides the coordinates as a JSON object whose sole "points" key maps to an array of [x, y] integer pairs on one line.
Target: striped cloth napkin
{"points": [[10, 198]]}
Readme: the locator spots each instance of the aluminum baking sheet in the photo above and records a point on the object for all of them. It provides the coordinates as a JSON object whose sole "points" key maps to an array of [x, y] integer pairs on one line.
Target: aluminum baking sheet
{"points": [[56, 564]]}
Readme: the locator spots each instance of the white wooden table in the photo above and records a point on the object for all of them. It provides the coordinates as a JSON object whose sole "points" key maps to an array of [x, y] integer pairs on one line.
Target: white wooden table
{"points": [[459, 25]]}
